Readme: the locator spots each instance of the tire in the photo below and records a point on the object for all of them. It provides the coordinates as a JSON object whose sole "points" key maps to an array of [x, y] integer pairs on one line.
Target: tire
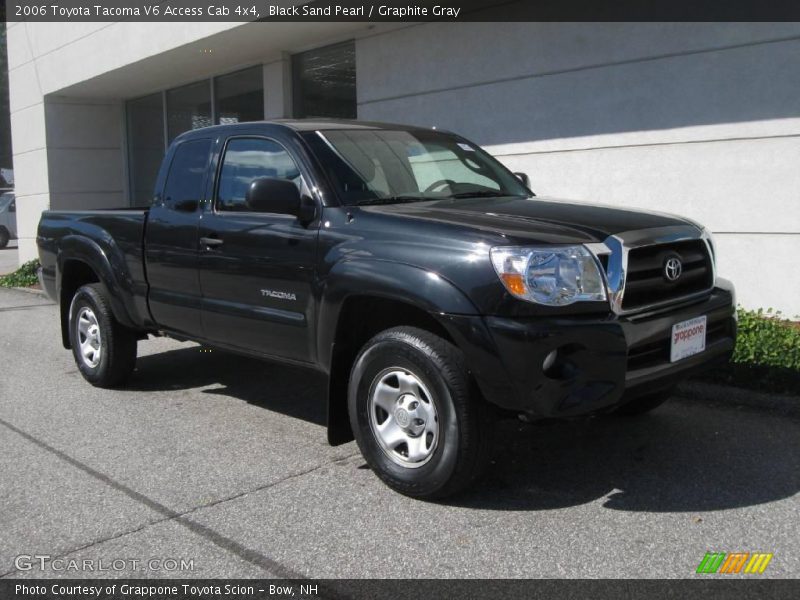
{"points": [[425, 376], [104, 350], [4, 237], [644, 404]]}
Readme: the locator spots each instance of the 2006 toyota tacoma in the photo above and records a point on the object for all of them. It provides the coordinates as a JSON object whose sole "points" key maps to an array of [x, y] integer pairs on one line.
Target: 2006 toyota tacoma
{"points": [[426, 280]]}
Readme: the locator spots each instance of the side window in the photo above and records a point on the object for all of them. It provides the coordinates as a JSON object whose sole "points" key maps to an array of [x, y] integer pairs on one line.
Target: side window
{"points": [[184, 187], [247, 159]]}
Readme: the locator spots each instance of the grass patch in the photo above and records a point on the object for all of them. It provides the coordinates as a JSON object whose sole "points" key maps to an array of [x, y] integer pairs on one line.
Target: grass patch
{"points": [[767, 354], [25, 276]]}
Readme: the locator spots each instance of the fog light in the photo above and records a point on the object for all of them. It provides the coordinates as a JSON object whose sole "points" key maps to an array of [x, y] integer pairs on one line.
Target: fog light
{"points": [[549, 360]]}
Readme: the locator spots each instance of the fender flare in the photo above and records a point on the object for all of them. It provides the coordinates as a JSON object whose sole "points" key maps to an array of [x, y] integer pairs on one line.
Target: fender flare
{"points": [[112, 271], [412, 285], [391, 280]]}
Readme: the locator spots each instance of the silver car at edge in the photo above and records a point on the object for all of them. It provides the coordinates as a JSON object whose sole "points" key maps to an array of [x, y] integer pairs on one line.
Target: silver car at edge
{"points": [[8, 218]]}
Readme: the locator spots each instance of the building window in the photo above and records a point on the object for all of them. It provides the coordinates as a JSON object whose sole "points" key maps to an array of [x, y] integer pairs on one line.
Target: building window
{"points": [[145, 146], [239, 96], [152, 126], [188, 107], [324, 82]]}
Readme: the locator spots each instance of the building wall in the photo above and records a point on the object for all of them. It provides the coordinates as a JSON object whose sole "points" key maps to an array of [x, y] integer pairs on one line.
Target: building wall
{"points": [[696, 119], [85, 153]]}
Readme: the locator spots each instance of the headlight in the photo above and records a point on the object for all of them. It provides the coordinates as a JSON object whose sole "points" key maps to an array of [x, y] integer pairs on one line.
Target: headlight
{"points": [[554, 276]]}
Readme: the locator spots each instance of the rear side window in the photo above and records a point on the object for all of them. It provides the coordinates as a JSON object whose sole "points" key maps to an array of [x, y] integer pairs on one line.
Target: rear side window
{"points": [[247, 159], [184, 187]]}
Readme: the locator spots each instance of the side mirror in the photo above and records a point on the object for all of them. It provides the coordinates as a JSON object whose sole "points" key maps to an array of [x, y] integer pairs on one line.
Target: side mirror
{"points": [[523, 177], [279, 196], [12, 207]]}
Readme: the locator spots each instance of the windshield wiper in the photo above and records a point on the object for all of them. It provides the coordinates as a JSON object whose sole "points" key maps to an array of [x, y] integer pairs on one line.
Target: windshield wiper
{"points": [[482, 194], [393, 200]]}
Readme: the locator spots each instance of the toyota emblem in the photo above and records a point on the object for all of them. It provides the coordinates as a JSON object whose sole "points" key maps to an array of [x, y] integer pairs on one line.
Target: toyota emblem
{"points": [[673, 268]]}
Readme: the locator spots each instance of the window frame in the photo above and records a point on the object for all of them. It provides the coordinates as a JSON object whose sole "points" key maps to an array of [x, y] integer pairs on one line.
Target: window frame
{"points": [[209, 83], [129, 165], [215, 116], [296, 77], [218, 176]]}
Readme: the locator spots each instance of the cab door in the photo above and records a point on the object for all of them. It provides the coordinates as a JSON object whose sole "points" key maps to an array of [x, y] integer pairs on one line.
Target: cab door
{"points": [[171, 246], [257, 269]]}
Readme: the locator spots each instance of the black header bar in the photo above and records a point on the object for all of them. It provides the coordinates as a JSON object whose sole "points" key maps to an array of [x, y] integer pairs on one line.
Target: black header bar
{"points": [[704, 587], [181, 11]]}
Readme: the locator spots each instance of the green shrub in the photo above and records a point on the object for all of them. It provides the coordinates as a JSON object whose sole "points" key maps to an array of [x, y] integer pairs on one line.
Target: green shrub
{"points": [[767, 354], [766, 339], [25, 276]]}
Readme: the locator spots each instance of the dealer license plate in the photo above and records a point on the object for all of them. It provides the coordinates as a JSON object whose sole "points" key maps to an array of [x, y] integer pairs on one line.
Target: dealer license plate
{"points": [[688, 338]]}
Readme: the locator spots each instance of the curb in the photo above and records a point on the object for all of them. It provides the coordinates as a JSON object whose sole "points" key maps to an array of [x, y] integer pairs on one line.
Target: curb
{"points": [[35, 291], [785, 404]]}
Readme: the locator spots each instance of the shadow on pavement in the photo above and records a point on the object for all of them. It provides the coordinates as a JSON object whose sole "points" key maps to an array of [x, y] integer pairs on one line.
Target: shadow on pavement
{"points": [[685, 456], [293, 391]]}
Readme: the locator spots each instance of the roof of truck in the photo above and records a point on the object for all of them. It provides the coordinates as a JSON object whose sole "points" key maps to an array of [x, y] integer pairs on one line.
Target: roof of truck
{"points": [[303, 125], [317, 124]]}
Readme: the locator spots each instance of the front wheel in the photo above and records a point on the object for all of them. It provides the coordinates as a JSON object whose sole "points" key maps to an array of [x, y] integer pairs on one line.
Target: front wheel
{"points": [[4, 237], [419, 424], [104, 350]]}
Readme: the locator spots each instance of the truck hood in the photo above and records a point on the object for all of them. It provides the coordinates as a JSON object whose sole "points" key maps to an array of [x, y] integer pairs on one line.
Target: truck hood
{"points": [[544, 220]]}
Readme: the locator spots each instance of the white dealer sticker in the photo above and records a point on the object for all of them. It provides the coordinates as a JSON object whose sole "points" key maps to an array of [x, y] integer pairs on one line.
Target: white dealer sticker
{"points": [[688, 338]]}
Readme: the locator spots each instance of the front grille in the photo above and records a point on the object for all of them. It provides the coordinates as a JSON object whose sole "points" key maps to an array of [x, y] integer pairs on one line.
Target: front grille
{"points": [[645, 280]]}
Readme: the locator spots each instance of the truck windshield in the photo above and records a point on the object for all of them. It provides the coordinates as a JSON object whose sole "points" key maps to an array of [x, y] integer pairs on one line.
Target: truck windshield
{"points": [[379, 166]]}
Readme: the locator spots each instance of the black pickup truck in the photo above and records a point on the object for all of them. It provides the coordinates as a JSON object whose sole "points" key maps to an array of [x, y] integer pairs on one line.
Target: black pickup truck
{"points": [[429, 284]]}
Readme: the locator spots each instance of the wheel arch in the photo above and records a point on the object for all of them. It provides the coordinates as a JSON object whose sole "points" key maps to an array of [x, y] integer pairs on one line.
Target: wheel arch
{"points": [[364, 297], [80, 261]]}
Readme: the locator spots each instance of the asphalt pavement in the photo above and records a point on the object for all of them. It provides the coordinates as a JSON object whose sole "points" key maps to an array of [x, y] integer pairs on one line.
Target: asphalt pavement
{"points": [[221, 462]]}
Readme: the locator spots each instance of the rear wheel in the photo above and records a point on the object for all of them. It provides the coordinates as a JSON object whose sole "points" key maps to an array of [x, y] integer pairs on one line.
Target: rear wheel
{"points": [[419, 424], [104, 350], [644, 404], [4, 237]]}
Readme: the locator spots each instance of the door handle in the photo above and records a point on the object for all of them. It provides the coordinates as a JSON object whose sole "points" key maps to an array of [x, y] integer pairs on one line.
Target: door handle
{"points": [[210, 242]]}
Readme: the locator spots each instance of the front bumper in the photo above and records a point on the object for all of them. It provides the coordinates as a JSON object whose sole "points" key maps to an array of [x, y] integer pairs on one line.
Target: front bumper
{"points": [[599, 360]]}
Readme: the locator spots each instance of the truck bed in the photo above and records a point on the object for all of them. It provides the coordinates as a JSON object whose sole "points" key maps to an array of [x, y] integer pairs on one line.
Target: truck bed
{"points": [[119, 235]]}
